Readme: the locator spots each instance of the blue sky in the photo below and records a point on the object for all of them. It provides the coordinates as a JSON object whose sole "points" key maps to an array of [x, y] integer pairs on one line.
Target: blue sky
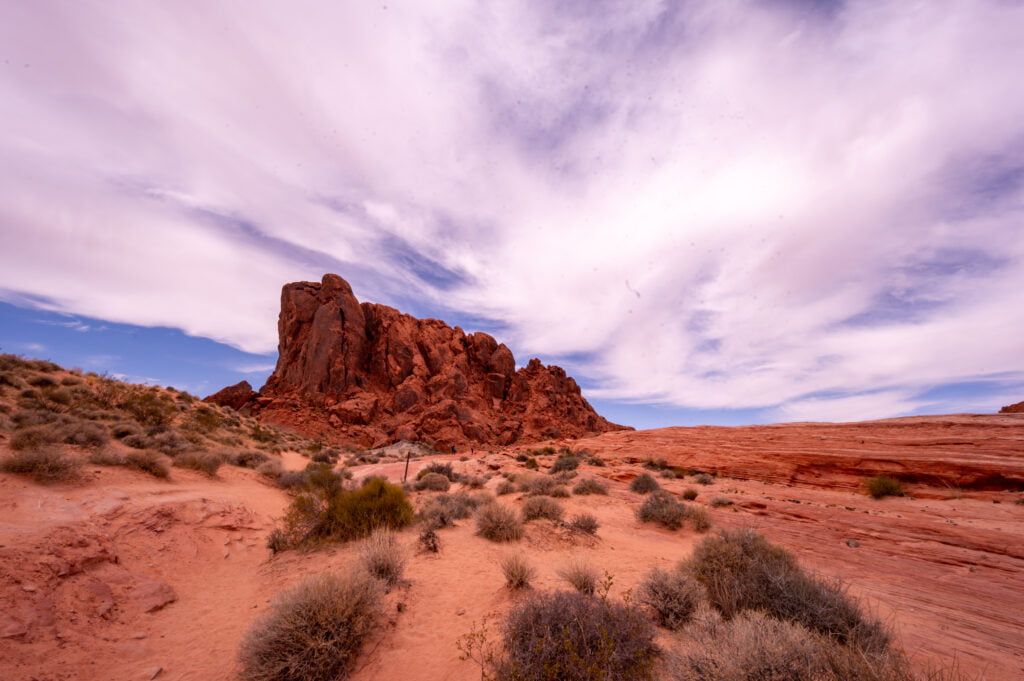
{"points": [[707, 212]]}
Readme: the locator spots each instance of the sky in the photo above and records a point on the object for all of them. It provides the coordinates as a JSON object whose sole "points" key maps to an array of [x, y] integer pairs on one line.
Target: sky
{"points": [[708, 211]]}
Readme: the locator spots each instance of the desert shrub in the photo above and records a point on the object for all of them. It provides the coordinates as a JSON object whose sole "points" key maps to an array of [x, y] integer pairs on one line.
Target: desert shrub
{"points": [[271, 469], [434, 482], [278, 540], [351, 514], [742, 571], [84, 434], [564, 463], [504, 487], [661, 507], [719, 501], [883, 486], [667, 473], [537, 484], [644, 484], [439, 468], [148, 461], [689, 494], [584, 522], [313, 631], [703, 479], [531, 463], [204, 462], [573, 637], [137, 440], [498, 523], [41, 465], [123, 429], [699, 517], [542, 507], [474, 481], [580, 574], [596, 461], [655, 464], [248, 458], [590, 486], [33, 439], [383, 557], [149, 407], [292, 480], [672, 595], [756, 647], [170, 442], [517, 570], [26, 418], [42, 381], [429, 541], [565, 476], [9, 378], [444, 509], [560, 492]]}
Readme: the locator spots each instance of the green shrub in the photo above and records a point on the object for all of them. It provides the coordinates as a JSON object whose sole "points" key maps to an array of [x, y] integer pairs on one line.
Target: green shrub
{"points": [[584, 522], [672, 595], [661, 507], [517, 570], [434, 482], [344, 515], [383, 557], [590, 486], [581, 575], [498, 523], [742, 571], [644, 484], [883, 486], [42, 465], [573, 637], [313, 631], [542, 507]]}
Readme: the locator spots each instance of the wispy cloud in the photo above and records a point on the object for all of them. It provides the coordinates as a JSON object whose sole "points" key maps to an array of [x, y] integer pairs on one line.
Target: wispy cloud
{"points": [[815, 207]]}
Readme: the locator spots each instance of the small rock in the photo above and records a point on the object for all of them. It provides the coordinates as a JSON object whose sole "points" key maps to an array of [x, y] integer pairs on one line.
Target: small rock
{"points": [[139, 635], [28, 587], [153, 672], [852, 543], [460, 611]]}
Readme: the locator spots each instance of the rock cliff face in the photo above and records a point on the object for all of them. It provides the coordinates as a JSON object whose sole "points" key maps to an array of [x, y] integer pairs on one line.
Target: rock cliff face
{"points": [[1013, 409], [367, 372]]}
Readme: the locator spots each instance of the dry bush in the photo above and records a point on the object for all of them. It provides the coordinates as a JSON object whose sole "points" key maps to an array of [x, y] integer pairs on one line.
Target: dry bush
{"points": [[703, 479], [542, 507], [42, 465], [429, 541], [667, 473], [313, 631], [498, 523], [444, 469], [204, 462], [473, 481], [719, 502], [644, 484], [742, 571], [383, 557], [517, 570], [434, 482], [537, 485], [148, 461], [444, 509], [123, 429], [581, 575], [271, 469], [883, 486], [590, 486], [662, 508], [564, 463], [33, 438], [689, 494], [584, 522], [248, 458], [504, 487], [699, 518], [755, 647], [169, 442], [672, 595], [568, 636]]}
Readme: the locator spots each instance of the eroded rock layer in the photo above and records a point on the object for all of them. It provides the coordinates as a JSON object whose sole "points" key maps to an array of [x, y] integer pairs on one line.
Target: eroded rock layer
{"points": [[367, 372]]}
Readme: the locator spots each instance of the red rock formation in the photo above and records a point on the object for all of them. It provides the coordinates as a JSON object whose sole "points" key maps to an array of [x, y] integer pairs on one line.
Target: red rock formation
{"points": [[235, 396], [1013, 409], [367, 372]]}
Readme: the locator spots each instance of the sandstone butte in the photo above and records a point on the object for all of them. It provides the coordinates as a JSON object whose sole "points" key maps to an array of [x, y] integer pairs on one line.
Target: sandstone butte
{"points": [[369, 374], [1017, 408]]}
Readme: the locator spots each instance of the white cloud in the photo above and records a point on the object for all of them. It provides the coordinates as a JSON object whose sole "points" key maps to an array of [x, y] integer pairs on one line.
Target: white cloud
{"points": [[712, 204]]}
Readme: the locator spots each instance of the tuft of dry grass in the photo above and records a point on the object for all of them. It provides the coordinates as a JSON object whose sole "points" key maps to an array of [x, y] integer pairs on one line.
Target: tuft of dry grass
{"points": [[313, 631], [580, 574], [383, 557], [148, 461], [590, 486], [517, 570], [882, 486], [204, 462], [662, 508], [673, 596], [542, 507], [644, 484], [584, 522], [504, 487], [434, 482]]}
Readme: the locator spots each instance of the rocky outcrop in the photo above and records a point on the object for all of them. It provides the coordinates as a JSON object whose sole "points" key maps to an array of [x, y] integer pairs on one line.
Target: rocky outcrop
{"points": [[235, 396], [1013, 409], [367, 372]]}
